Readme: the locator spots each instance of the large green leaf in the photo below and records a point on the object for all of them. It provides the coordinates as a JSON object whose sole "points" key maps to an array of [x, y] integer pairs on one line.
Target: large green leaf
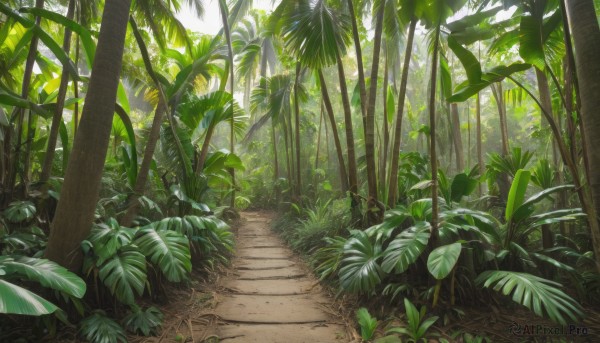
{"points": [[542, 296], [406, 248], [442, 260], [531, 47], [516, 195], [125, 274], [466, 90], [47, 273], [360, 270], [168, 250], [462, 185], [107, 238], [18, 300], [467, 59], [99, 328]]}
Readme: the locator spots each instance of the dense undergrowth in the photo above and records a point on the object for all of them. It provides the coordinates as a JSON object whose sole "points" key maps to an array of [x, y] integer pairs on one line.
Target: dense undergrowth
{"points": [[121, 266], [473, 259]]}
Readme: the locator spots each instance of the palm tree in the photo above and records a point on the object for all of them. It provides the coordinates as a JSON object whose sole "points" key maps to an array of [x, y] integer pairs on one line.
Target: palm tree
{"points": [[586, 36], [318, 38], [227, 28], [393, 178], [199, 59], [375, 210], [79, 194]]}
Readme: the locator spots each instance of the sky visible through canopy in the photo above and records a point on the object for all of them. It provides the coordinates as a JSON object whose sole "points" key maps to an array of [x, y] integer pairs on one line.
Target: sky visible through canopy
{"points": [[211, 23]]}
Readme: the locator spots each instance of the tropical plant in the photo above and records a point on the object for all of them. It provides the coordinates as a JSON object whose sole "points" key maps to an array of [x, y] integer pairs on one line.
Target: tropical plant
{"points": [[99, 328], [145, 322], [418, 323], [16, 299], [367, 323]]}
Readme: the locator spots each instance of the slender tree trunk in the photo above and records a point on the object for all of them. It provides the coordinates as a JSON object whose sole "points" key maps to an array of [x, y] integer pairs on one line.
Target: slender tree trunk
{"points": [[319, 137], [393, 180], [432, 133], [375, 212], [336, 138], [479, 142], [383, 153], [60, 103], [359, 60], [142, 177], [204, 150], [572, 71], [352, 169], [297, 119], [586, 36], [226, 28], [80, 191], [546, 101], [76, 90], [499, 97], [29, 62], [286, 139], [275, 160], [458, 145]]}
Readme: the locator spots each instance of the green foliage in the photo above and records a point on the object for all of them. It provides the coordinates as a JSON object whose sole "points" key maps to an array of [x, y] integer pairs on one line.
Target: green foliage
{"points": [[442, 260], [541, 296], [367, 323], [99, 328], [418, 324], [516, 195], [168, 250], [124, 274], [360, 270], [20, 211], [406, 248], [18, 300], [509, 164], [542, 174], [146, 322]]}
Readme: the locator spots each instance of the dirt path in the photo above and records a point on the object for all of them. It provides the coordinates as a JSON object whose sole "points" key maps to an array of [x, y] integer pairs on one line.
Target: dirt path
{"points": [[270, 296]]}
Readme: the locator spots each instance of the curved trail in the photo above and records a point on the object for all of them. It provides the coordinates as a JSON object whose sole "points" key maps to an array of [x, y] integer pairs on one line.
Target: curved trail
{"points": [[271, 297]]}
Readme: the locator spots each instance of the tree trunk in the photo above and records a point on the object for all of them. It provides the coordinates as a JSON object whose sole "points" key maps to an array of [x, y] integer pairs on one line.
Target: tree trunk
{"points": [[224, 10], [336, 138], [479, 142], [383, 153], [297, 119], [76, 90], [375, 213], [546, 101], [204, 150], [586, 36], [432, 131], [80, 191], [142, 177], [393, 180], [458, 145], [499, 97], [359, 61], [60, 103], [29, 63], [352, 169]]}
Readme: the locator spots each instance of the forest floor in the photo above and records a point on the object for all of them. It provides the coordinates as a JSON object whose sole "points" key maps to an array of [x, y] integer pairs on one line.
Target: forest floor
{"points": [[266, 295]]}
